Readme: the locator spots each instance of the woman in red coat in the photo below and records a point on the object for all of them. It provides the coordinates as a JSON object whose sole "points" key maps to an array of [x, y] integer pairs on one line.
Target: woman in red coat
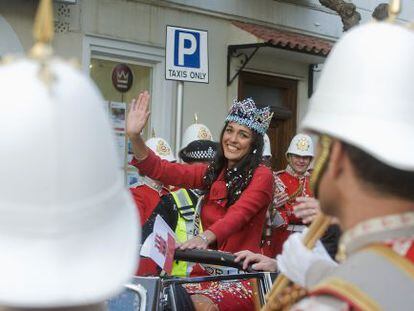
{"points": [[238, 187]]}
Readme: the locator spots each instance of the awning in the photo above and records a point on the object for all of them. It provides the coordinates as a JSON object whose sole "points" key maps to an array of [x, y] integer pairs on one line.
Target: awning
{"points": [[274, 38], [288, 40]]}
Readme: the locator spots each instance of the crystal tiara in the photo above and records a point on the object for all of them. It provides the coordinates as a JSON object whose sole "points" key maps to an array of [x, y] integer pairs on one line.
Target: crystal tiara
{"points": [[246, 113]]}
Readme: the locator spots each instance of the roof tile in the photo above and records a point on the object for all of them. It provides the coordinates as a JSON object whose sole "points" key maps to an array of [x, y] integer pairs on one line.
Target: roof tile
{"points": [[283, 39]]}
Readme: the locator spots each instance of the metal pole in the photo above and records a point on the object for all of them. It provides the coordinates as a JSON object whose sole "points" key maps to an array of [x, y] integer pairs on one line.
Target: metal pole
{"points": [[179, 121]]}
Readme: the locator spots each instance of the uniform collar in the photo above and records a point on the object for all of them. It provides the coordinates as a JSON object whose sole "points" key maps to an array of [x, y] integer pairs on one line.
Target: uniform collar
{"points": [[376, 230], [153, 184], [292, 172]]}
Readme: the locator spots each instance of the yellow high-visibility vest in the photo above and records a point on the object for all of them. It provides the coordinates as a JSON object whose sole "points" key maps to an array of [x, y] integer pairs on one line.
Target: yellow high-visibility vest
{"points": [[185, 227]]}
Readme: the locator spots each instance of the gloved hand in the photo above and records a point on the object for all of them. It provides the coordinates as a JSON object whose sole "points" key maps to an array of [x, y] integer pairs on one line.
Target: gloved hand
{"points": [[307, 209], [296, 259]]}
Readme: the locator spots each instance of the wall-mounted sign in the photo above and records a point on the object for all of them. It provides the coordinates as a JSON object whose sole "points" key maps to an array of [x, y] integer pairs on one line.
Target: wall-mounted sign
{"points": [[122, 78], [186, 56]]}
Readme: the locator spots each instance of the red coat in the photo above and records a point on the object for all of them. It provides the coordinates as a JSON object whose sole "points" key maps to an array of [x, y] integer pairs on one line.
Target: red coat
{"points": [[237, 227], [146, 200], [288, 186]]}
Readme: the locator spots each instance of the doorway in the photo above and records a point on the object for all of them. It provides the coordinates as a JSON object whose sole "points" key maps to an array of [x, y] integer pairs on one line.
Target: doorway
{"points": [[281, 95]]}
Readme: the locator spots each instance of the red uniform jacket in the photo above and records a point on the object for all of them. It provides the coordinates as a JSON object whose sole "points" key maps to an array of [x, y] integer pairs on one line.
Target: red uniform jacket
{"points": [[288, 186], [146, 199], [237, 227]]}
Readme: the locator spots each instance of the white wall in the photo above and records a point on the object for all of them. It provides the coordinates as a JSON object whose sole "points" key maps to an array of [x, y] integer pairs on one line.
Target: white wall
{"points": [[140, 23], [307, 16], [145, 24], [9, 41]]}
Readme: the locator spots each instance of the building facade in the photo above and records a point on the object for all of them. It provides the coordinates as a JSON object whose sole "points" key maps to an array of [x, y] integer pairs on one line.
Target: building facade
{"points": [[270, 50]]}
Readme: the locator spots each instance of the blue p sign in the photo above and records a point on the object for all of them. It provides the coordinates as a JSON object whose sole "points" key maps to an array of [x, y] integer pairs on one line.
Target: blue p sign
{"points": [[187, 49]]}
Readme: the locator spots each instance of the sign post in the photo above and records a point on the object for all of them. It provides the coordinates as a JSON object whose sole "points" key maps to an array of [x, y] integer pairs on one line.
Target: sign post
{"points": [[186, 59], [179, 119]]}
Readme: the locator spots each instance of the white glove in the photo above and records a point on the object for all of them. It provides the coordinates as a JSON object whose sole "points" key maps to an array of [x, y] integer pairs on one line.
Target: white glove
{"points": [[296, 259]]}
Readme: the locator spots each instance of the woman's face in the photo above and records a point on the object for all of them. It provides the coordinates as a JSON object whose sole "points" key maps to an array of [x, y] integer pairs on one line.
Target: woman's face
{"points": [[236, 142]]}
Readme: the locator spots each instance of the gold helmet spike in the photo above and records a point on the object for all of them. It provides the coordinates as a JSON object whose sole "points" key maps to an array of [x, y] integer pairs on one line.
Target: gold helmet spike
{"points": [[394, 9], [43, 30], [153, 133], [195, 118]]}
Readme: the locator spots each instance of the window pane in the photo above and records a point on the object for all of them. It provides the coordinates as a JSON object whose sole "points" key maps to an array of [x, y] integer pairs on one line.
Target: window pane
{"points": [[101, 73], [117, 105], [264, 95]]}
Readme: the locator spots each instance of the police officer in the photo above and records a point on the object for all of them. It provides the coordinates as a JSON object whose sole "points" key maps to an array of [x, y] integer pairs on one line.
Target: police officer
{"points": [[364, 172], [197, 144]]}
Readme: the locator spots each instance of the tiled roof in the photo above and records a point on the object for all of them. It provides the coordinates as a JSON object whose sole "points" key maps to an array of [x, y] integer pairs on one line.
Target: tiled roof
{"points": [[288, 40]]}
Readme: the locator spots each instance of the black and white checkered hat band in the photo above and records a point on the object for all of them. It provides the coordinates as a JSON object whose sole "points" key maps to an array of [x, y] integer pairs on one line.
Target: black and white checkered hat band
{"points": [[201, 154]]}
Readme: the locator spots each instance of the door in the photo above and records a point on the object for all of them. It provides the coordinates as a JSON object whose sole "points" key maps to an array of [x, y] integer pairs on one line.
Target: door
{"points": [[281, 95]]}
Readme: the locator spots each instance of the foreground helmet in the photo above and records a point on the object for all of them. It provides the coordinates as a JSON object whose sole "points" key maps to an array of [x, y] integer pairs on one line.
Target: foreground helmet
{"points": [[161, 148], [68, 227], [301, 145], [267, 152], [365, 94]]}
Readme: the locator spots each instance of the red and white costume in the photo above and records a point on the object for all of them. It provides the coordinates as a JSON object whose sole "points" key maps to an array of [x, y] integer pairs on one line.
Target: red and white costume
{"points": [[288, 186]]}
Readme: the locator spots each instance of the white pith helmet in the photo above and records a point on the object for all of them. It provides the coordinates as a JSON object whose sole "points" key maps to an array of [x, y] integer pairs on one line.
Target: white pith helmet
{"points": [[365, 94], [267, 152], [161, 148], [71, 237], [195, 132], [301, 145]]}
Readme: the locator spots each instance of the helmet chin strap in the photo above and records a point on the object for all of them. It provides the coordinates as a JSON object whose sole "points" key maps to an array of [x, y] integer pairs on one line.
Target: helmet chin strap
{"points": [[320, 163]]}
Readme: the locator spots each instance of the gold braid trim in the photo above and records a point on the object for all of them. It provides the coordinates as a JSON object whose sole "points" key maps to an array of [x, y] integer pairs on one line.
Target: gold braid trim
{"points": [[398, 261], [320, 163], [298, 191], [356, 296]]}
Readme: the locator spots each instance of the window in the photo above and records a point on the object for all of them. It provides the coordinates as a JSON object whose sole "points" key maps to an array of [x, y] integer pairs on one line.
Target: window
{"points": [[117, 104], [146, 62]]}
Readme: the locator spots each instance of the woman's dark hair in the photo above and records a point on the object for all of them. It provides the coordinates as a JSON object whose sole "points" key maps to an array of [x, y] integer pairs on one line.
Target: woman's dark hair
{"points": [[383, 178], [238, 177]]}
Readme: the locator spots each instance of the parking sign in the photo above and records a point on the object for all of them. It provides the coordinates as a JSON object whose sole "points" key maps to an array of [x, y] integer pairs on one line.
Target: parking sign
{"points": [[186, 56]]}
